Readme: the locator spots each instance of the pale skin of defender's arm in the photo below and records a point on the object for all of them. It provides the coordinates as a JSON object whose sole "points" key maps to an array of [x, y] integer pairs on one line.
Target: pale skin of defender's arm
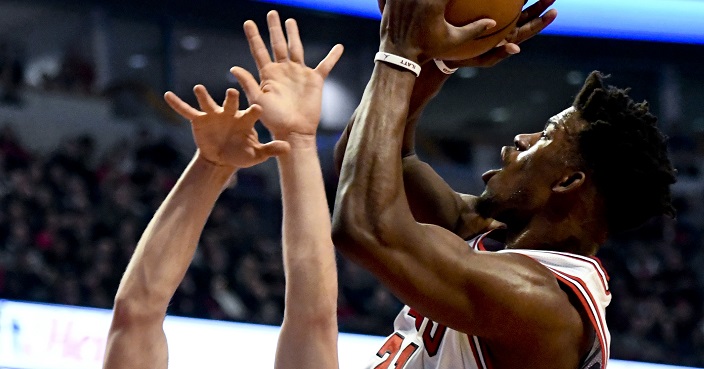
{"points": [[509, 300], [290, 94], [430, 198], [226, 141], [308, 336]]}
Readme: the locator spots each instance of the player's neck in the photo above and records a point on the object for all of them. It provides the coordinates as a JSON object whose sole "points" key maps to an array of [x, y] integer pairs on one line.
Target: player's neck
{"points": [[577, 233], [570, 222]]}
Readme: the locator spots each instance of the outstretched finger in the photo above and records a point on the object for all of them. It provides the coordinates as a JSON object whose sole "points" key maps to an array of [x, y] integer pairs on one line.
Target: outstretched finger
{"points": [[534, 11], [461, 35], [326, 65], [532, 28], [181, 107], [207, 104], [256, 45], [276, 36], [232, 101], [247, 82], [295, 47]]}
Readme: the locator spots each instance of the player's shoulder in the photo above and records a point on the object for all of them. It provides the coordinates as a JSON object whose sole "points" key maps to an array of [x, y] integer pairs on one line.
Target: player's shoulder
{"points": [[586, 269]]}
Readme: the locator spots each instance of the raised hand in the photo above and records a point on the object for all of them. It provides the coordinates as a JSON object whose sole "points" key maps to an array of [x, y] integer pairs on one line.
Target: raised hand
{"points": [[224, 134], [290, 93], [417, 29], [531, 22]]}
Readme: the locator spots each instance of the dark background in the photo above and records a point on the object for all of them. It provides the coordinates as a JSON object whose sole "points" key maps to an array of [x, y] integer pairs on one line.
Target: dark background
{"points": [[88, 150]]}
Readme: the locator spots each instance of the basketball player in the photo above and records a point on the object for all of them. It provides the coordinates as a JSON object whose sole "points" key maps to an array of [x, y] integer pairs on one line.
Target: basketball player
{"points": [[226, 142], [598, 168]]}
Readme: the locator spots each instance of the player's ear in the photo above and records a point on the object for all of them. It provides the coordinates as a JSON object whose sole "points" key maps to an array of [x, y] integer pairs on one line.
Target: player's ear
{"points": [[569, 182]]}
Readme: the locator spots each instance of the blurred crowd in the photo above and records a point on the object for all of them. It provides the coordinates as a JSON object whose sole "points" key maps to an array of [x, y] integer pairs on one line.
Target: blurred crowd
{"points": [[69, 222], [11, 73], [70, 219]]}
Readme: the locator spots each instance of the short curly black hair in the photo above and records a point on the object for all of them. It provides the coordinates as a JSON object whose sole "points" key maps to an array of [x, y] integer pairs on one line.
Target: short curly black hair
{"points": [[626, 154]]}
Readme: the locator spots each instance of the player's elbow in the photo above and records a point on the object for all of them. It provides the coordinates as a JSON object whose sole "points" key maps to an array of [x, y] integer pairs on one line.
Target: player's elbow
{"points": [[352, 225], [130, 310], [359, 231]]}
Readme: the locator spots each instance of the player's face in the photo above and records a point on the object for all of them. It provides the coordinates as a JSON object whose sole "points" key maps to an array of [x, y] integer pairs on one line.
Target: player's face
{"points": [[531, 168]]}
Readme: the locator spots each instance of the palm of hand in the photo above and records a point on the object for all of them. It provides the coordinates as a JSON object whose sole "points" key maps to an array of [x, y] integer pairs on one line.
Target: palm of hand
{"points": [[224, 134], [227, 139], [290, 95]]}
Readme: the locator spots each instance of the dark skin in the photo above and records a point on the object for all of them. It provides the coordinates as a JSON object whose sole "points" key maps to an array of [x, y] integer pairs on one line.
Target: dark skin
{"points": [[430, 198], [397, 218]]}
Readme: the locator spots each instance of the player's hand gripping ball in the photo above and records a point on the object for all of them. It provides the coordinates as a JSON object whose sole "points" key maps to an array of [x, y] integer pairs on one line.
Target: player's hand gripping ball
{"points": [[463, 12]]}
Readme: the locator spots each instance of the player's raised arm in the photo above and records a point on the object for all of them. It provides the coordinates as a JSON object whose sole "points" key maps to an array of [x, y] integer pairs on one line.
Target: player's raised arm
{"points": [[291, 94], [430, 198], [226, 141], [426, 266]]}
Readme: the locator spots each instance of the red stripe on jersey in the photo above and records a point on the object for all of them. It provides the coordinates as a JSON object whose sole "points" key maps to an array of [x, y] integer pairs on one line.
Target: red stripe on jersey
{"points": [[602, 267], [476, 351], [590, 307], [593, 301], [485, 353], [601, 272], [479, 243]]}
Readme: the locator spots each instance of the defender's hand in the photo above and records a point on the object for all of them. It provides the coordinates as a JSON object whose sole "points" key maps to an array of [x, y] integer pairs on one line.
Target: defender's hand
{"points": [[225, 135], [531, 22], [417, 29], [290, 92]]}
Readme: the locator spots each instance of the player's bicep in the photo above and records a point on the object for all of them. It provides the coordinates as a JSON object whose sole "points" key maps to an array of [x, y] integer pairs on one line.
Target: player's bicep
{"points": [[479, 293]]}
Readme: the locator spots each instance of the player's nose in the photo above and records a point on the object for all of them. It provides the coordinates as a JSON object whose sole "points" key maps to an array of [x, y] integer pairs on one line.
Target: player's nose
{"points": [[523, 141]]}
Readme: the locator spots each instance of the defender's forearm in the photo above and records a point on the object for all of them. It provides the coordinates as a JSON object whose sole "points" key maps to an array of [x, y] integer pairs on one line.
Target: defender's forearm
{"points": [[309, 329], [166, 247], [309, 259]]}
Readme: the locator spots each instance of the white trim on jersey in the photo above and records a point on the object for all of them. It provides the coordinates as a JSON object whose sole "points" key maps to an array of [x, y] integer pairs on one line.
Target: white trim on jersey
{"points": [[597, 266], [594, 312], [567, 268], [477, 351], [560, 263]]}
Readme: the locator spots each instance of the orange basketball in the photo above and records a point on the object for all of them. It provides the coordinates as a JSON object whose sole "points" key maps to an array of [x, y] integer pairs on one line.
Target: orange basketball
{"points": [[462, 12]]}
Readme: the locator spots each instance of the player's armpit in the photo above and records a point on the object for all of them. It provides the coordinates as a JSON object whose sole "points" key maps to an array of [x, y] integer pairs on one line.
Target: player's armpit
{"points": [[433, 201], [430, 198]]}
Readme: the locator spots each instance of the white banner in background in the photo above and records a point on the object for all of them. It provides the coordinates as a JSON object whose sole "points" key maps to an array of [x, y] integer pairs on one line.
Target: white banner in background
{"points": [[38, 336]]}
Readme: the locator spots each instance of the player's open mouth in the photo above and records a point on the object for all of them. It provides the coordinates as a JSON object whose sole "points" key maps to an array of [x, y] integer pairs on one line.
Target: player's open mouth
{"points": [[487, 176]]}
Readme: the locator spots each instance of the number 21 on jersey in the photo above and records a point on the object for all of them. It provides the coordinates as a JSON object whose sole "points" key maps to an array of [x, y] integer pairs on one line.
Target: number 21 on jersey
{"points": [[396, 352]]}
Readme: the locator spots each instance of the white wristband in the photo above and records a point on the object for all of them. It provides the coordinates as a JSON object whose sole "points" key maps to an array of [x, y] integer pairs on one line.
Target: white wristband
{"points": [[443, 67], [397, 60]]}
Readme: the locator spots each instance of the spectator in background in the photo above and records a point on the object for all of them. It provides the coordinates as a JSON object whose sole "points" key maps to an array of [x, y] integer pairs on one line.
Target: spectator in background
{"points": [[77, 72], [50, 253], [11, 74]]}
